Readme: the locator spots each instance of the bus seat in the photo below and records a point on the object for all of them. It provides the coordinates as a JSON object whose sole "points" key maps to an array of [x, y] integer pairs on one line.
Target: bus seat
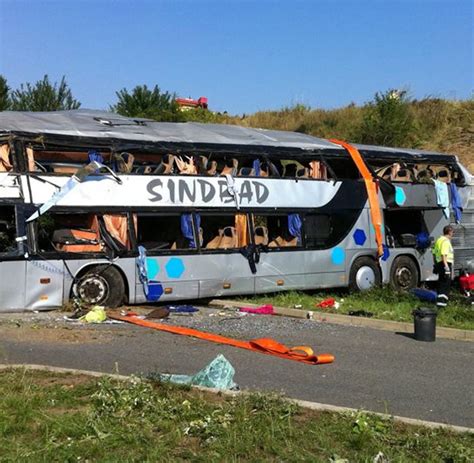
{"points": [[230, 169], [246, 172], [65, 169], [424, 175], [124, 162], [5, 164], [215, 242], [229, 238], [203, 164], [76, 240], [143, 170], [402, 173], [185, 167], [280, 242], [318, 170], [264, 172], [394, 170], [384, 172], [302, 173], [444, 176], [290, 168], [212, 169], [30, 159], [261, 235]]}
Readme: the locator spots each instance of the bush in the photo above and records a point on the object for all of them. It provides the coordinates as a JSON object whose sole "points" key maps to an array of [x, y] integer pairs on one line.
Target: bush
{"points": [[389, 121]]}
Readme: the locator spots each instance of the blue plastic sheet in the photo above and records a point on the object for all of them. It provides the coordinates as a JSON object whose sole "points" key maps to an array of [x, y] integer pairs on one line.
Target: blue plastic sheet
{"points": [[294, 226]]}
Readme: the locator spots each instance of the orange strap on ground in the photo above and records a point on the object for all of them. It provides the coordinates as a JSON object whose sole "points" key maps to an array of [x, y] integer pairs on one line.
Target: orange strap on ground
{"points": [[372, 191], [264, 345]]}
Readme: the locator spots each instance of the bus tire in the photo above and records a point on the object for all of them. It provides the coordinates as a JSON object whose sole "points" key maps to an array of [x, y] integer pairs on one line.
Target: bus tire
{"points": [[365, 274], [404, 274], [101, 285]]}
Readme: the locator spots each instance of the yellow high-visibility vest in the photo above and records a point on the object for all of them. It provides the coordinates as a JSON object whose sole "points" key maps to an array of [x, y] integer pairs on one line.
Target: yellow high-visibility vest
{"points": [[443, 247]]}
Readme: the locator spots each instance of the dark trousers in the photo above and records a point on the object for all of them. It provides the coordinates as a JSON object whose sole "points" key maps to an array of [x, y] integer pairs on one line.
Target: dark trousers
{"points": [[444, 284]]}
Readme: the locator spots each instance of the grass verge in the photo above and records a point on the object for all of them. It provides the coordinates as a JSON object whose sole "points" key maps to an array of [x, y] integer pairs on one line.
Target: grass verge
{"points": [[54, 417], [382, 303]]}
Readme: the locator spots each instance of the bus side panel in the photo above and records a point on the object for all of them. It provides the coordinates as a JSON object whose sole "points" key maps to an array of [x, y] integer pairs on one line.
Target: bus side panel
{"points": [[322, 272], [44, 284], [12, 284], [281, 270], [176, 277], [225, 274]]}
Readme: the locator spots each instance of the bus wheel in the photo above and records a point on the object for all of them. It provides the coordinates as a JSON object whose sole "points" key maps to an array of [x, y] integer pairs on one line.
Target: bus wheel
{"points": [[404, 274], [365, 274], [101, 285]]}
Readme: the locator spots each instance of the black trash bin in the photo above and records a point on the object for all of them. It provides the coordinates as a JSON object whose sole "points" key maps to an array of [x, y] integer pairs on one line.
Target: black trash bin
{"points": [[425, 324]]}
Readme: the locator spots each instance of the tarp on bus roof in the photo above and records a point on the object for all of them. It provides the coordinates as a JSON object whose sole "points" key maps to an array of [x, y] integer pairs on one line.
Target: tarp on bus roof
{"points": [[101, 125]]}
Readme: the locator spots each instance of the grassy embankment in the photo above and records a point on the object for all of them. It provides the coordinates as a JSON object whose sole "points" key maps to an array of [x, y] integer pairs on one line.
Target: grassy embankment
{"points": [[439, 125], [383, 303], [52, 417]]}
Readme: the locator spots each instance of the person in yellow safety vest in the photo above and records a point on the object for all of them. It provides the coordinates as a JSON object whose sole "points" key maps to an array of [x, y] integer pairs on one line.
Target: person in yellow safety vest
{"points": [[444, 258]]}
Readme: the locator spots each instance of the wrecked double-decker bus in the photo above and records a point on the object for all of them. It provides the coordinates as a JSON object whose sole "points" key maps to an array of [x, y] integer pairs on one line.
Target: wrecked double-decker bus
{"points": [[114, 210]]}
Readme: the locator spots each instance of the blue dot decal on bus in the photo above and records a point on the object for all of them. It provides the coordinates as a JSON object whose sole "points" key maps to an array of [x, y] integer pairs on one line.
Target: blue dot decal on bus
{"points": [[174, 267], [152, 268], [155, 291], [337, 256], [386, 253], [400, 196], [360, 237]]}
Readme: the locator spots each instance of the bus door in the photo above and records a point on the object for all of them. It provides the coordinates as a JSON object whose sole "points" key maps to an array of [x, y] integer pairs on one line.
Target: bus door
{"points": [[44, 283], [281, 259], [12, 262]]}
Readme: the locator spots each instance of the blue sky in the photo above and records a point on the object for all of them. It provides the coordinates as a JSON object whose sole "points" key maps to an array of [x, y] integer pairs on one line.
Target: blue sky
{"points": [[243, 55]]}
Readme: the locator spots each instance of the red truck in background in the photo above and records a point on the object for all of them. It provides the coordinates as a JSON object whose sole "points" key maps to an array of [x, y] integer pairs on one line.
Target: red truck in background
{"points": [[187, 104]]}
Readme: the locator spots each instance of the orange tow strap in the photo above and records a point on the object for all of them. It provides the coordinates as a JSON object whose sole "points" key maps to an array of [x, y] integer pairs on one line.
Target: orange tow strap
{"points": [[263, 345], [372, 191]]}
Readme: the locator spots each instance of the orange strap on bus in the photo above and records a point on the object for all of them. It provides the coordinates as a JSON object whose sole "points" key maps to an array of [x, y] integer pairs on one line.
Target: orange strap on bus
{"points": [[263, 345], [372, 191]]}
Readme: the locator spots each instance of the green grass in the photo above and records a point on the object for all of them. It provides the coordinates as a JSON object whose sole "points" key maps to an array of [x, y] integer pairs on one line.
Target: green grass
{"points": [[50, 417], [383, 303]]}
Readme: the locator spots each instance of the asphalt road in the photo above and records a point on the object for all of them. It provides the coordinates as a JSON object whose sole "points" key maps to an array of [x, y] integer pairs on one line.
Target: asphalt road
{"points": [[374, 370]]}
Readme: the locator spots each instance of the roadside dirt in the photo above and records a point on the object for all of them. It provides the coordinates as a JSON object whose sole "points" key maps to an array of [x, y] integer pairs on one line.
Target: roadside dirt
{"points": [[32, 333]]}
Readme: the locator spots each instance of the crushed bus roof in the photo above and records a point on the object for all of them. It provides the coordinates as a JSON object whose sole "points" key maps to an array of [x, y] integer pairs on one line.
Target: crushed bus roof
{"points": [[101, 125]]}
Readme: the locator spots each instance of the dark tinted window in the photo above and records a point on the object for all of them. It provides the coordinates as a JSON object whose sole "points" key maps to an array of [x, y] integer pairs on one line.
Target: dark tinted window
{"points": [[324, 230]]}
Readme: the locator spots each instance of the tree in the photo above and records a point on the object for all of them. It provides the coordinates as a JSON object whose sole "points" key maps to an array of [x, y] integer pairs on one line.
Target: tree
{"points": [[44, 96], [388, 120], [4, 94], [148, 103]]}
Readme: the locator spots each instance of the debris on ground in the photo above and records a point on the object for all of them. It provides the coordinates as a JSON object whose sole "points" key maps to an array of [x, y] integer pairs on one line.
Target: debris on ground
{"points": [[329, 303], [266, 309], [160, 312], [182, 309], [360, 313], [219, 374]]}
